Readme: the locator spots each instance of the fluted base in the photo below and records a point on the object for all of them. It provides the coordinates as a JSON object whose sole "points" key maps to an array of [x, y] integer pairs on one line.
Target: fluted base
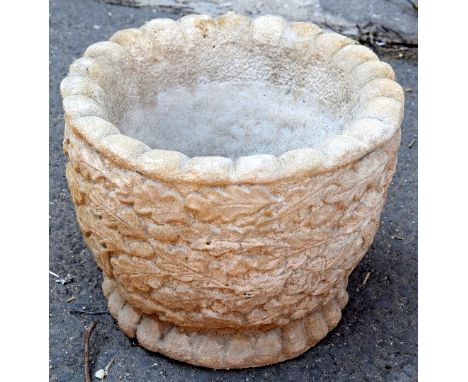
{"points": [[225, 350]]}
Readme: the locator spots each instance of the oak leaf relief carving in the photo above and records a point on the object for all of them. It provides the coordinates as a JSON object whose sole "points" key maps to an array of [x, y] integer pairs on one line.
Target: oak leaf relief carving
{"points": [[232, 204]]}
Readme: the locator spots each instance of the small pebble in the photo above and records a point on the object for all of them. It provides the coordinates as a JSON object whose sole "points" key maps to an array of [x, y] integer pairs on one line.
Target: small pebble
{"points": [[100, 374]]}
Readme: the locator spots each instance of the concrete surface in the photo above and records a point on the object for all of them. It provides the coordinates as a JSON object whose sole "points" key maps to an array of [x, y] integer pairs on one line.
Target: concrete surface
{"points": [[398, 17], [377, 337]]}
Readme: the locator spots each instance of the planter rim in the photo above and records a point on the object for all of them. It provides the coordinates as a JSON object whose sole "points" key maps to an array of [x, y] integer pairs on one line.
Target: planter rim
{"points": [[380, 100]]}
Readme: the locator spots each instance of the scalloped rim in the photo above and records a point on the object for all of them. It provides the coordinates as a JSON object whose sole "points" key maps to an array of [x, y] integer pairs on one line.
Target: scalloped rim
{"points": [[378, 116]]}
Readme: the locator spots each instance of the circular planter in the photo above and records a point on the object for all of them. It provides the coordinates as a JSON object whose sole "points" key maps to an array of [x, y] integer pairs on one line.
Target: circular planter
{"points": [[239, 255]]}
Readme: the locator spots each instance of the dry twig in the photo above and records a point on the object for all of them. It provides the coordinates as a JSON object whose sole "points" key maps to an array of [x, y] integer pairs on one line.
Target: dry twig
{"points": [[78, 311], [86, 337]]}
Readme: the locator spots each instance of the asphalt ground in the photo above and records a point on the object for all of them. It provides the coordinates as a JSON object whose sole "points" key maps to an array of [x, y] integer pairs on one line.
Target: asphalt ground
{"points": [[376, 339]]}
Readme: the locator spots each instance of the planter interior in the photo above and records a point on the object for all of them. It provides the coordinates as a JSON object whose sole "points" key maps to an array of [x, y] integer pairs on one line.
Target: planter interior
{"points": [[228, 175], [235, 118], [233, 103]]}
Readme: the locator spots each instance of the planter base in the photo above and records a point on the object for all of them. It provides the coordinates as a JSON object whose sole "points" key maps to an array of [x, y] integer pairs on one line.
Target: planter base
{"points": [[225, 350]]}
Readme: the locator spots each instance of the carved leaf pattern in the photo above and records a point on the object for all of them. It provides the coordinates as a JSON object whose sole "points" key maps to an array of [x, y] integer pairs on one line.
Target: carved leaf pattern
{"points": [[230, 204], [247, 255], [137, 274], [153, 199]]}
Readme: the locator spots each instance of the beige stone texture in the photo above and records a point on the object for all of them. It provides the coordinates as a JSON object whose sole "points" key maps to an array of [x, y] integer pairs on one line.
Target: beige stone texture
{"points": [[229, 262]]}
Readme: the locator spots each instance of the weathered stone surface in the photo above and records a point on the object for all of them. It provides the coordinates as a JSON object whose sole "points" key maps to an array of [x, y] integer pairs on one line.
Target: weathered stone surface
{"points": [[232, 253]]}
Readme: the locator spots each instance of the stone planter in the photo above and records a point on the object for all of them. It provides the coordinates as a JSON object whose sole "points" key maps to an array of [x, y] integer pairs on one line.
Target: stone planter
{"points": [[235, 253]]}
